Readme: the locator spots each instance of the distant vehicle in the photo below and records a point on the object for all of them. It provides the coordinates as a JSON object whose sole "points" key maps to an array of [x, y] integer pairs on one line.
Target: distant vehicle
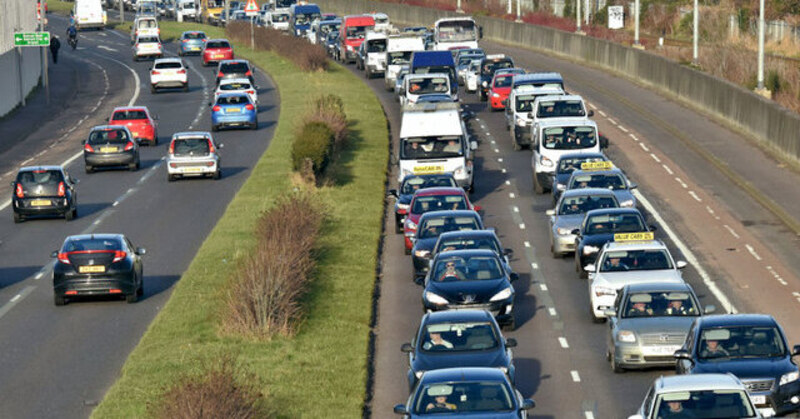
{"points": [[169, 73], [382, 23], [301, 17], [551, 140], [216, 50], [604, 175], [147, 46], [192, 42], [489, 65], [432, 199], [567, 164], [278, 19], [471, 239], [430, 226], [462, 65], [233, 109], [568, 216], [185, 10], [44, 191], [234, 69], [456, 32], [89, 14], [211, 11], [110, 146], [599, 227], [418, 85], [409, 186], [141, 123], [372, 54], [145, 26], [500, 87], [321, 29], [519, 118], [426, 62], [399, 49], [352, 33], [193, 154], [240, 85]]}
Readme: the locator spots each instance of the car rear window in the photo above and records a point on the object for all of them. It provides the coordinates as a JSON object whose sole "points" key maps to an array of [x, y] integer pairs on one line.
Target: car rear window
{"points": [[194, 35], [168, 64], [218, 44], [233, 100], [148, 24], [228, 68], [129, 115], [191, 146], [39, 177], [234, 86], [148, 39], [77, 245], [108, 136]]}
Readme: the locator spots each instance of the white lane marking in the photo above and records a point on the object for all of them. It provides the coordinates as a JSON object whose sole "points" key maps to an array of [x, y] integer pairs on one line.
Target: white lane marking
{"points": [[687, 252], [499, 159], [493, 142], [602, 113], [39, 275], [542, 286], [24, 162], [655, 157], [14, 301], [667, 169], [552, 311], [522, 226], [137, 88], [496, 150], [730, 230], [106, 48], [563, 342], [511, 195], [623, 129], [694, 195], [535, 266], [15, 298], [527, 244], [681, 182], [644, 147], [634, 138], [575, 376], [508, 182], [752, 251], [613, 122], [589, 414], [516, 209], [503, 170], [710, 210]]}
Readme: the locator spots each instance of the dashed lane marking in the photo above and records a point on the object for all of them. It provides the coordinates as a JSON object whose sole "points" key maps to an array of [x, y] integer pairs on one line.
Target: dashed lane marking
{"points": [[563, 342], [527, 244], [613, 122], [575, 376], [552, 311], [730, 230], [623, 129], [655, 157], [17, 298], [511, 195], [602, 113], [694, 195], [522, 226], [644, 147], [681, 182], [634, 138], [588, 414], [508, 182], [752, 251], [535, 266], [542, 286]]}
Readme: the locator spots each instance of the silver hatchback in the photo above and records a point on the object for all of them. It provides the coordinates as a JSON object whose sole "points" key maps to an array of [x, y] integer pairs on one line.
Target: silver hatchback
{"points": [[193, 154]]}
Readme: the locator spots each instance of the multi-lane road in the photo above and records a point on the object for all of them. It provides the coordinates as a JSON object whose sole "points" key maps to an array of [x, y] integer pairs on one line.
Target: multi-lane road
{"points": [[60, 361]]}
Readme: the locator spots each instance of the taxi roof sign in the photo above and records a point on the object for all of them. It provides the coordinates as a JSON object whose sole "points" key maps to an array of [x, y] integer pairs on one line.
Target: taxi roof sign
{"points": [[634, 237], [597, 165]]}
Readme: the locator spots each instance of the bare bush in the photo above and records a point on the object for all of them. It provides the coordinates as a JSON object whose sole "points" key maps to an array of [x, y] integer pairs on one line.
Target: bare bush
{"points": [[264, 297], [307, 56], [329, 109]]}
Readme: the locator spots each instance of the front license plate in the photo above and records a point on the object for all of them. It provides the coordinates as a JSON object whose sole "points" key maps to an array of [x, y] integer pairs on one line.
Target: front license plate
{"points": [[233, 110], [40, 202], [108, 149], [428, 169], [661, 350], [759, 399], [92, 269]]}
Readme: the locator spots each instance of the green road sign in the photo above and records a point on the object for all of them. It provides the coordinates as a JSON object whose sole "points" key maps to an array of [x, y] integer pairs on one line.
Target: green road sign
{"points": [[31, 39]]}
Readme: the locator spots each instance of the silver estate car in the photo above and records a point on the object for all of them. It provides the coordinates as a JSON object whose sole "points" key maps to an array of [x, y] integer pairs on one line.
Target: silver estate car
{"points": [[612, 179], [568, 216], [193, 154], [649, 322]]}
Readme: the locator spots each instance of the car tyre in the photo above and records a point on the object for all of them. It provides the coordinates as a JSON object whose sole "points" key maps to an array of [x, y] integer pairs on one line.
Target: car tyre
{"points": [[134, 166], [186, 87], [59, 300], [407, 250], [153, 89], [510, 326], [214, 128], [171, 178], [18, 218], [254, 125], [556, 255], [217, 175], [516, 145], [595, 319], [89, 169], [398, 228], [132, 298], [69, 215], [615, 367]]}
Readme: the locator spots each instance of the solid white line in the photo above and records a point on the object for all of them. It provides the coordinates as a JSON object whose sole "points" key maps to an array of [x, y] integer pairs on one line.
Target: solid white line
{"points": [[694, 195], [106, 48], [575, 377], [137, 80], [15, 298], [644, 147], [730, 230], [39, 275], [655, 157], [563, 342], [687, 252], [752, 251], [24, 162], [623, 129]]}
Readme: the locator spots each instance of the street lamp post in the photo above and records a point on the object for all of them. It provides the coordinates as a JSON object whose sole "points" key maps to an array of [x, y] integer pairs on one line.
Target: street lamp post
{"points": [[761, 45], [636, 23], [578, 15], [519, 12], [696, 33]]}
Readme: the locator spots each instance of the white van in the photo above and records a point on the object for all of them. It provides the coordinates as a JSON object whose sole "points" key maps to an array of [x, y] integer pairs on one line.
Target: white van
{"points": [[278, 19], [398, 53], [185, 10], [89, 14], [144, 26], [434, 139], [551, 108], [552, 139], [518, 111], [415, 85], [375, 50]]}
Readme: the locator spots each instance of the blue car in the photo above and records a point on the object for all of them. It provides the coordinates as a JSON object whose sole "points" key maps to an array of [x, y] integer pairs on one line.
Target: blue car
{"points": [[234, 109], [192, 43]]}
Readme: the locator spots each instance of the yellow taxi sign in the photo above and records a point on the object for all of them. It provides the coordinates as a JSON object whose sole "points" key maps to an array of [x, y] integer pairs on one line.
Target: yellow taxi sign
{"points": [[631, 237], [597, 165], [428, 169]]}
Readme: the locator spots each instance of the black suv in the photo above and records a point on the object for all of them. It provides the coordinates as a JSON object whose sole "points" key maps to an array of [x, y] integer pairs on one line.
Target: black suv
{"points": [[235, 69], [44, 190]]}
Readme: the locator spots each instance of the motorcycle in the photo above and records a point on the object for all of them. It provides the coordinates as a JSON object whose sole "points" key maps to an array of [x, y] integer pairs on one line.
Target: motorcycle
{"points": [[73, 42]]}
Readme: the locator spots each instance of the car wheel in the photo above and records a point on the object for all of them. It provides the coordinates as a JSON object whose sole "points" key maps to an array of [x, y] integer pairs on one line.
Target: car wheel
{"points": [[140, 290], [398, 228], [59, 300], [18, 218], [614, 364], [171, 178], [69, 215], [254, 125], [515, 144], [596, 319], [155, 140], [537, 187], [132, 298], [556, 255], [214, 128], [510, 326], [134, 166], [217, 174], [89, 169], [153, 89], [408, 251], [186, 87]]}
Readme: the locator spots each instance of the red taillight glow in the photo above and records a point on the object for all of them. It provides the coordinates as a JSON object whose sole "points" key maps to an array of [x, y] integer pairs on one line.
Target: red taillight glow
{"points": [[185, 41], [249, 107], [61, 189], [63, 258], [209, 164], [115, 291], [216, 108], [251, 92], [249, 73], [181, 71], [88, 147], [129, 146], [119, 255], [155, 72], [220, 74], [20, 193], [172, 147], [211, 148], [71, 292]]}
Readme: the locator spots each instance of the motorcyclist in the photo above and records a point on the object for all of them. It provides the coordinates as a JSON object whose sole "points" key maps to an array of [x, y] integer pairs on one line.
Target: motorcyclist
{"points": [[72, 32]]}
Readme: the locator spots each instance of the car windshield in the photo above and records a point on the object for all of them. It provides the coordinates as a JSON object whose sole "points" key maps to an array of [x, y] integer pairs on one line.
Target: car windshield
{"points": [[167, 65], [148, 24], [612, 181], [460, 268], [704, 404], [489, 67], [194, 35], [461, 397], [569, 138], [280, 18], [457, 31], [433, 227], [741, 342], [233, 100], [217, 44], [423, 204], [32, 178], [614, 223], [503, 81], [377, 45], [77, 245], [560, 108], [461, 243], [191, 146], [420, 148], [524, 103], [108, 136], [129, 115], [421, 86], [147, 40], [636, 260], [573, 205], [459, 337], [412, 184], [465, 60], [571, 164], [325, 29], [306, 18], [399, 57], [659, 304], [356, 32], [228, 68], [234, 86]]}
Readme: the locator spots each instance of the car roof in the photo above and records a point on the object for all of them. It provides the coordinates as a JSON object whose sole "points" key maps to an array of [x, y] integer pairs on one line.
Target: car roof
{"points": [[588, 191], [450, 213], [614, 211], [658, 286], [191, 134], [440, 190], [235, 61], [560, 97], [108, 127], [168, 60], [234, 80], [34, 168], [467, 234], [95, 236], [698, 382], [586, 155], [469, 252], [612, 171], [463, 374], [455, 316], [636, 245], [719, 320], [578, 121], [539, 77], [130, 108]]}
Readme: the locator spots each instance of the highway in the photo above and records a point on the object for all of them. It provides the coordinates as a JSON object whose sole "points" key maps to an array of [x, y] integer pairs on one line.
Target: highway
{"points": [[60, 361]]}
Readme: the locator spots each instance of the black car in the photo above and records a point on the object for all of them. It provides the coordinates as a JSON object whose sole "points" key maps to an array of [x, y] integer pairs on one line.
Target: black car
{"points": [[235, 69], [465, 392], [599, 227], [430, 226], [489, 65], [97, 264], [412, 184], [471, 239], [44, 190], [463, 279], [567, 164], [753, 348], [458, 338], [110, 145], [332, 44]]}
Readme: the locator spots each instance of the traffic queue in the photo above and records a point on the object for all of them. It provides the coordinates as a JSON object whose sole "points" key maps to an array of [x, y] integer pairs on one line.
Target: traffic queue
{"points": [[727, 365]]}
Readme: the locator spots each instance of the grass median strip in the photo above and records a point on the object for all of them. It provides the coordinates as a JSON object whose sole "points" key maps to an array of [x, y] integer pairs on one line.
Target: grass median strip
{"points": [[322, 368]]}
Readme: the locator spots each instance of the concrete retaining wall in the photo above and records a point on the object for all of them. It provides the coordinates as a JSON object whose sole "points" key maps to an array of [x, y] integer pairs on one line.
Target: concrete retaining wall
{"points": [[17, 16], [773, 125]]}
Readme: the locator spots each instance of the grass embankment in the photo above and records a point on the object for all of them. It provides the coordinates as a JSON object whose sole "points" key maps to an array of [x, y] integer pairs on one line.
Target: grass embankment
{"points": [[321, 369]]}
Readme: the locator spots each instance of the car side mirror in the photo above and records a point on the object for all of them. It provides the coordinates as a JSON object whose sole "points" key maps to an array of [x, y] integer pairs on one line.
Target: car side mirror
{"points": [[590, 113], [680, 264], [603, 142], [511, 343], [513, 276], [54, 254], [795, 350], [576, 232], [392, 192], [550, 212], [508, 252], [400, 409], [709, 309], [633, 186], [473, 145], [589, 268], [406, 348], [682, 354], [610, 312], [527, 404], [653, 227], [477, 208], [141, 251]]}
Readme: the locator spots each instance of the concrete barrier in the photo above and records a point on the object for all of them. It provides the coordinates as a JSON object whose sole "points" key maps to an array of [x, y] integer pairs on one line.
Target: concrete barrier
{"points": [[17, 15], [775, 127]]}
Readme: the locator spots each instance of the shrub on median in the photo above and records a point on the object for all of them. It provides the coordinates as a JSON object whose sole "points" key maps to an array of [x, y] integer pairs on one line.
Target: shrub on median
{"points": [[313, 143], [329, 109], [307, 56]]}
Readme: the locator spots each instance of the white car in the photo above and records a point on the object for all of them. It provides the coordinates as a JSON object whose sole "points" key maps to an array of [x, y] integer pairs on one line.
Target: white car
{"points": [[237, 86], [472, 76], [147, 46], [169, 72], [632, 258], [193, 154]]}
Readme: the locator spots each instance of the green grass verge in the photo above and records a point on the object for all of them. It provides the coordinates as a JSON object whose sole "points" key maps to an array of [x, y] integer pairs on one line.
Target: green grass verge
{"points": [[323, 368], [60, 7]]}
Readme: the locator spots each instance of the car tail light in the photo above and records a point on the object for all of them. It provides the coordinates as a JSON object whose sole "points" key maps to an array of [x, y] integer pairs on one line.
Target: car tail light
{"points": [[181, 71], [114, 291], [220, 74], [136, 45], [71, 292], [185, 41], [119, 255], [20, 193], [159, 45], [216, 108], [172, 147], [249, 73], [209, 164], [62, 191], [129, 146], [251, 92], [88, 147], [211, 148], [155, 72], [63, 258], [173, 165], [249, 107]]}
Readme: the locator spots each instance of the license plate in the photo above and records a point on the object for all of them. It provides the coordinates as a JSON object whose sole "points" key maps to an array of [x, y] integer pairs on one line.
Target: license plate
{"points": [[135, 134], [661, 350], [40, 202], [92, 269], [233, 110], [192, 169], [428, 169], [759, 399], [195, 48], [108, 149], [219, 55]]}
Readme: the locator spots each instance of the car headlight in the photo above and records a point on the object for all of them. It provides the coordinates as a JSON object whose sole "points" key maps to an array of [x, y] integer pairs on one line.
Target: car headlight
{"points": [[410, 224], [349, 47], [485, 84], [546, 162], [626, 336], [563, 231], [502, 295], [588, 250], [435, 299], [495, 94], [402, 206], [601, 291], [561, 186], [419, 374], [789, 377], [626, 204], [422, 253]]}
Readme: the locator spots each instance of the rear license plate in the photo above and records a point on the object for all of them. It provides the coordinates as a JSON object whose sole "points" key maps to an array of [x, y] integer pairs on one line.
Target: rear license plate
{"points": [[428, 169], [759, 400], [135, 134], [108, 149], [195, 48], [40, 202], [192, 169], [92, 269], [219, 56], [233, 110]]}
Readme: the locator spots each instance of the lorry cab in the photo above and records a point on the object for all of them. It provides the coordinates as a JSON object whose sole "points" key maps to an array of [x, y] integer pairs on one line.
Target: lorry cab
{"points": [[518, 112], [374, 49], [302, 15], [434, 139], [456, 32], [278, 19], [353, 31], [560, 107], [185, 9], [426, 62], [552, 139], [398, 53], [416, 85]]}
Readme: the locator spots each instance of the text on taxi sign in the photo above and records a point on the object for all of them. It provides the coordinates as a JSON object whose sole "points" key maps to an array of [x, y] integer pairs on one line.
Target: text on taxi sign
{"points": [[597, 165], [628, 237]]}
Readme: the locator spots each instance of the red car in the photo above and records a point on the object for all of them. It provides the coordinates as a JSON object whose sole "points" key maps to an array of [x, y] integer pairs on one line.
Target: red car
{"points": [[216, 50], [501, 87], [140, 122], [433, 199]]}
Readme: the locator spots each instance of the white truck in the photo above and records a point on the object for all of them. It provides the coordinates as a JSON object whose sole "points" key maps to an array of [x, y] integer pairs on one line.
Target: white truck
{"points": [[186, 10], [398, 53], [375, 53], [553, 139], [89, 14], [456, 32]]}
